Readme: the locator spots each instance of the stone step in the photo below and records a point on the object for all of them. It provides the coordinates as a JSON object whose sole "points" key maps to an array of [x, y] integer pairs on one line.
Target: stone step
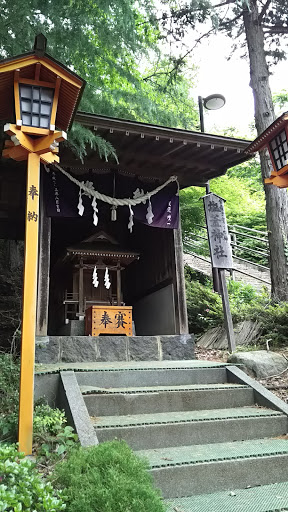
{"points": [[192, 427], [264, 498], [160, 399], [152, 377], [88, 390], [198, 469]]}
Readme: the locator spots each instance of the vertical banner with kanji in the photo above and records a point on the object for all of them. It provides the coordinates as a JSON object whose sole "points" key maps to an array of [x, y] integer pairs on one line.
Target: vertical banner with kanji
{"points": [[217, 231]]}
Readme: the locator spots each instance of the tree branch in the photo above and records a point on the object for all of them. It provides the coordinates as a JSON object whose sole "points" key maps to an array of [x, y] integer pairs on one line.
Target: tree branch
{"points": [[224, 3], [275, 29], [224, 23], [264, 10], [180, 60]]}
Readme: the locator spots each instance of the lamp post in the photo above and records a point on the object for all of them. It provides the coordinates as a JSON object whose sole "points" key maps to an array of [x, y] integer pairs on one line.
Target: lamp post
{"points": [[212, 102], [45, 96]]}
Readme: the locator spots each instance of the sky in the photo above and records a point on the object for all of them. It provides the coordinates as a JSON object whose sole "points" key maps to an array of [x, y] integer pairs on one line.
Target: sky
{"points": [[231, 79]]}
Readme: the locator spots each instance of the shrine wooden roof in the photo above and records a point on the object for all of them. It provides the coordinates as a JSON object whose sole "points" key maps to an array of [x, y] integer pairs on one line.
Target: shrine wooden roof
{"points": [[262, 140], [92, 250], [71, 87], [159, 152]]}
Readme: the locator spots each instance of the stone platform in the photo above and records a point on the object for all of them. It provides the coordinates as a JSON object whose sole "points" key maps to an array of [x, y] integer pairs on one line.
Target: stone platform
{"points": [[75, 349]]}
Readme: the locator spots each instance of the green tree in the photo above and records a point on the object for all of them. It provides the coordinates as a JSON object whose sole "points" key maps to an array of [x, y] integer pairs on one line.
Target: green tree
{"points": [[260, 28], [107, 44]]}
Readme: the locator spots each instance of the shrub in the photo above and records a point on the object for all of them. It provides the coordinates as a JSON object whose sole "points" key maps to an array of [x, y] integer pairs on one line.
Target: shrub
{"points": [[51, 436], [106, 478], [9, 396], [21, 487], [204, 307], [274, 322]]}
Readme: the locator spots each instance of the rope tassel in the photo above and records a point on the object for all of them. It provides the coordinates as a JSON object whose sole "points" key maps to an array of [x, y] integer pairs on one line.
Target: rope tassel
{"points": [[80, 204], [95, 279], [131, 222], [107, 282], [150, 214], [95, 211]]}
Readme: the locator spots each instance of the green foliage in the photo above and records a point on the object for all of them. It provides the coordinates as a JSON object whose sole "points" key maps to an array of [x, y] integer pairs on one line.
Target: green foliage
{"points": [[11, 265], [204, 307], [9, 396], [51, 436], [107, 44], [274, 320], [106, 478], [21, 487], [243, 207], [244, 299], [280, 100]]}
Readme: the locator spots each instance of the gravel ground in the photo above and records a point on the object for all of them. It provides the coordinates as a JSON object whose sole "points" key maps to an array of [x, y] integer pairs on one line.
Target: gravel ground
{"points": [[278, 384]]}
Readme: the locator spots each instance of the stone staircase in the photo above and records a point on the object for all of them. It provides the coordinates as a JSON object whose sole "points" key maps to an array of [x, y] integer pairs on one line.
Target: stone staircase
{"points": [[214, 438], [244, 271]]}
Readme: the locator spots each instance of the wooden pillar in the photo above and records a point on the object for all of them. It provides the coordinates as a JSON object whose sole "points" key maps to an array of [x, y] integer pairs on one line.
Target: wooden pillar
{"points": [[118, 284], [43, 268], [226, 310], [179, 284], [25, 425], [81, 288]]}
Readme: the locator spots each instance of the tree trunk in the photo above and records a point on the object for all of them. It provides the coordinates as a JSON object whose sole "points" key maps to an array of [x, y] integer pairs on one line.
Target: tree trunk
{"points": [[276, 199]]}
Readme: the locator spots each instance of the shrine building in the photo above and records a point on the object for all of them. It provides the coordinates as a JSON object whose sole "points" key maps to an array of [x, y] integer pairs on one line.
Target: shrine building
{"points": [[126, 260], [110, 249]]}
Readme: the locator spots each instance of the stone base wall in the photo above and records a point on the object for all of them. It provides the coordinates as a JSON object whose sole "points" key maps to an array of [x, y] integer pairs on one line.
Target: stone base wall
{"points": [[76, 349]]}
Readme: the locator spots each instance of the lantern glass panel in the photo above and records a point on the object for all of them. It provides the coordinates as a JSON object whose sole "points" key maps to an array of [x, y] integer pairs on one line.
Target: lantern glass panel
{"points": [[36, 105], [279, 150]]}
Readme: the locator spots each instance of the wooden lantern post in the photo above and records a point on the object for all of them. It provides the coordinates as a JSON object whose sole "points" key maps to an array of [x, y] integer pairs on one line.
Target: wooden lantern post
{"points": [[39, 85]]}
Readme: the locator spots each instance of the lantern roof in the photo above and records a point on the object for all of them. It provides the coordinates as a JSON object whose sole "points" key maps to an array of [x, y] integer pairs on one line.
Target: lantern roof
{"points": [[39, 65], [270, 132]]}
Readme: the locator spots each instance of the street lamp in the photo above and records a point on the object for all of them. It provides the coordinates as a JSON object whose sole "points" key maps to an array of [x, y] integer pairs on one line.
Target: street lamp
{"points": [[212, 102], [38, 93]]}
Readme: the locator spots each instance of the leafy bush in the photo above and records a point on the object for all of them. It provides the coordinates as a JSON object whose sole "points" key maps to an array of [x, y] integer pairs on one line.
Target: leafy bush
{"points": [[106, 478], [51, 436], [274, 321], [9, 397], [204, 307], [21, 487], [244, 299]]}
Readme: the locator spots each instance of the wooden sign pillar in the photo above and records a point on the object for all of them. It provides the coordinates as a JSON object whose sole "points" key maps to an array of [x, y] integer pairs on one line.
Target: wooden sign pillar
{"points": [[221, 254], [29, 304]]}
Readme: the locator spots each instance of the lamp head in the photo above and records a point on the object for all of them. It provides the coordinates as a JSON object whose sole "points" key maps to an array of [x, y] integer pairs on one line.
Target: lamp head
{"points": [[214, 101]]}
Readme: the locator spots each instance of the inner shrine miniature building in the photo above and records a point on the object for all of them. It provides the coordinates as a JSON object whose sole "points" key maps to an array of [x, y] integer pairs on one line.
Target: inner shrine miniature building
{"points": [[124, 263]]}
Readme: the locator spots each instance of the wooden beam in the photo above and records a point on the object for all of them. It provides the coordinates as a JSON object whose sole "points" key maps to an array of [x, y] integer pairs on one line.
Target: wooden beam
{"points": [[119, 292], [179, 283], [37, 71], [43, 268], [55, 103], [226, 310], [17, 99], [81, 288], [25, 426], [37, 83]]}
